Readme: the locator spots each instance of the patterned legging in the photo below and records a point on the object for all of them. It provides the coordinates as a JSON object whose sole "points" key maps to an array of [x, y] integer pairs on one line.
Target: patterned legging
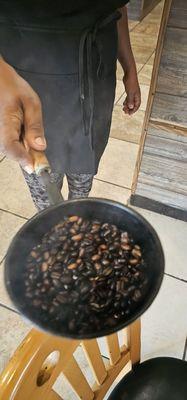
{"points": [[79, 186]]}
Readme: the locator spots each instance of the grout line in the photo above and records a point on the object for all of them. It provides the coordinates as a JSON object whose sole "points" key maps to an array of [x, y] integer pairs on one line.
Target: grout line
{"points": [[1, 261], [146, 63], [124, 140], [9, 308], [119, 98], [12, 213], [106, 358], [175, 277], [2, 159], [114, 184], [121, 140], [185, 351], [138, 23]]}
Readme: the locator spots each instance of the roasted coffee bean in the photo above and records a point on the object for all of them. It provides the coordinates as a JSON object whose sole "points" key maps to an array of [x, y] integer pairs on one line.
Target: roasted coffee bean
{"points": [[105, 262], [126, 247], [34, 254], [107, 271], [72, 266], [29, 295], [136, 253], [89, 249], [85, 275], [56, 283], [103, 247], [44, 307], [133, 261], [59, 257], [73, 231], [46, 255], [95, 257], [81, 252], [137, 295], [97, 266], [62, 298], [55, 275], [73, 218], [44, 267], [95, 228], [36, 302], [62, 238], [66, 279], [52, 310]]}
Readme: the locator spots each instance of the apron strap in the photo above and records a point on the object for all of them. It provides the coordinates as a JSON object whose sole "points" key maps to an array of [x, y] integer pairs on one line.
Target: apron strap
{"points": [[88, 37]]}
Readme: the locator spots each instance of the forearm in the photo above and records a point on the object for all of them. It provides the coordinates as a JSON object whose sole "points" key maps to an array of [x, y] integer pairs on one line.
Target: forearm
{"points": [[125, 54]]}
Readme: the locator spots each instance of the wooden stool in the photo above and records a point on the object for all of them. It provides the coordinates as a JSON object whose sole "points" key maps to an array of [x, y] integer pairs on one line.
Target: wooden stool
{"points": [[38, 361]]}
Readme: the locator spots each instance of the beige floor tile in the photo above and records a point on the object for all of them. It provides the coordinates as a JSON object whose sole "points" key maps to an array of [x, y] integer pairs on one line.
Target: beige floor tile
{"points": [[164, 325], [120, 90], [132, 24], [148, 29], [144, 97], [145, 74], [139, 67], [103, 190], [14, 193], [142, 54], [118, 162], [13, 330], [125, 127], [143, 40], [109, 191], [155, 16], [173, 234], [9, 225]]}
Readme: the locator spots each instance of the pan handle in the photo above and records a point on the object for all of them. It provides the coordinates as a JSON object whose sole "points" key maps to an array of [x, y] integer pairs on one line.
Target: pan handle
{"points": [[42, 169], [40, 161]]}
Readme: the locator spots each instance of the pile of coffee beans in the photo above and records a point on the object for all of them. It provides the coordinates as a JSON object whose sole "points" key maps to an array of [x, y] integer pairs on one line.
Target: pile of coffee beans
{"points": [[84, 276]]}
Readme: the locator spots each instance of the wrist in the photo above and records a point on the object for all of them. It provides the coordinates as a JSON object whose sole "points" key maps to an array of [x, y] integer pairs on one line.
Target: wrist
{"points": [[129, 66], [130, 74]]}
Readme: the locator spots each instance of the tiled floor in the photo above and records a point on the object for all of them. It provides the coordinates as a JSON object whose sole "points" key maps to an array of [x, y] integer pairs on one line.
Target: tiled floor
{"points": [[164, 325]]}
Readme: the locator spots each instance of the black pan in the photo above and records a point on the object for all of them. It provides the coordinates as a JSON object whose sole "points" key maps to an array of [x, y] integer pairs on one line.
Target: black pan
{"points": [[105, 210]]}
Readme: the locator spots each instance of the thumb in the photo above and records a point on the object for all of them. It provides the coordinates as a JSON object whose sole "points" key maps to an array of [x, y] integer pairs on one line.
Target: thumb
{"points": [[130, 101], [33, 124]]}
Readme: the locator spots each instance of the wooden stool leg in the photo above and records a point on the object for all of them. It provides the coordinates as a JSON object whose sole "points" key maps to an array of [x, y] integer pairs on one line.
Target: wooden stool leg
{"points": [[134, 341]]}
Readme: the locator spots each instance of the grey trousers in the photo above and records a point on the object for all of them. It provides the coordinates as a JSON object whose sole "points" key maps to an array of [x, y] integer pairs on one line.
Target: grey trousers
{"points": [[79, 186]]}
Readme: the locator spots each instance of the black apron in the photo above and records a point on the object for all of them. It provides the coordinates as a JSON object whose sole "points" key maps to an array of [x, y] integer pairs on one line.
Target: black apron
{"points": [[72, 67]]}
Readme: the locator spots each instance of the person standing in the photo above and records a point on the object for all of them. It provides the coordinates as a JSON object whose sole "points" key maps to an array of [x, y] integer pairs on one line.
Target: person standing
{"points": [[58, 76]]}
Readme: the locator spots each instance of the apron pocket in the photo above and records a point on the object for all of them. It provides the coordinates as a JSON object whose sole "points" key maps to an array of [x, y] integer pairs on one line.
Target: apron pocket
{"points": [[40, 50]]}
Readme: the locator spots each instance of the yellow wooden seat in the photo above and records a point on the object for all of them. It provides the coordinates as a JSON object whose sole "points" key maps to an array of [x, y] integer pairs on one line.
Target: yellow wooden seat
{"points": [[39, 360]]}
